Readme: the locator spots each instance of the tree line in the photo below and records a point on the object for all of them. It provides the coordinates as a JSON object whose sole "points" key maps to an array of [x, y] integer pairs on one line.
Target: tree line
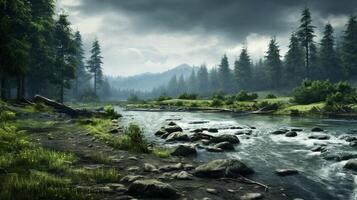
{"points": [[305, 59], [41, 54]]}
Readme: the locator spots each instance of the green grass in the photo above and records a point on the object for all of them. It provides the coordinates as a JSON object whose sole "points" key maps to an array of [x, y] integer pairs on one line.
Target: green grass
{"points": [[162, 152], [98, 175], [302, 109]]}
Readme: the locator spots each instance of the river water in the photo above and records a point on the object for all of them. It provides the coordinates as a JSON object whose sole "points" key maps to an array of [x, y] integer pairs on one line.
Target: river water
{"points": [[319, 179]]}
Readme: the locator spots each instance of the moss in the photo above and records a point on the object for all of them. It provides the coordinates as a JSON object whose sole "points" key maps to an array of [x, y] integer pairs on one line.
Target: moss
{"points": [[162, 152]]}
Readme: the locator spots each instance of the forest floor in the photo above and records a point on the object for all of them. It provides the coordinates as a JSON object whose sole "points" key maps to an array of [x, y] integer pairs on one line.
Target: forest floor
{"points": [[48, 155]]}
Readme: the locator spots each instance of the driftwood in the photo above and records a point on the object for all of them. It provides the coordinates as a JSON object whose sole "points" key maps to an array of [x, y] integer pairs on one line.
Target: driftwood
{"points": [[243, 179], [59, 107]]}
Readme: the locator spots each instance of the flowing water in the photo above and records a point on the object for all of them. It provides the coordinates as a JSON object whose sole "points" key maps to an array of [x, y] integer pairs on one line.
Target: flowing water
{"points": [[319, 179]]}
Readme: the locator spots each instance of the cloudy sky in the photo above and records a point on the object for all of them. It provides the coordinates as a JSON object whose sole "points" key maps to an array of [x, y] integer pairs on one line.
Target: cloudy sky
{"points": [[140, 36]]}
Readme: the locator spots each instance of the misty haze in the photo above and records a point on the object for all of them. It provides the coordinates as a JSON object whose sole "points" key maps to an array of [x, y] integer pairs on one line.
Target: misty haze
{"points": [[178, 99]]}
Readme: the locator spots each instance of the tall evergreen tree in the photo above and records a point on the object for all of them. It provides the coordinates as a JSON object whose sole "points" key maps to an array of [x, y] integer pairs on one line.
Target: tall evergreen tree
{"points": [[182, 85], [328, 60], [172, 87], [224, 75], [192, 82], [294, 62], [349, 48], [274, 63], [202, 80], [64, 48], [214, 80], [306, 36], [243, 70], [95, 65], [14, 27]]}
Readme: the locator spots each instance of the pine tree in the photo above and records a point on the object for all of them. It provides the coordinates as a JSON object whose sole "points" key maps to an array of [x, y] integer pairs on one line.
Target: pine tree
{"points": [[82, 75], [14, 55], [224, 75], [349, 48], [202, 80], [306, 36], [274, 63], [64, 49], [214, 80], [328, 60], [294, 62], [192, 82], [95, 65], [182, 85], [172, 87], [243, 70]]}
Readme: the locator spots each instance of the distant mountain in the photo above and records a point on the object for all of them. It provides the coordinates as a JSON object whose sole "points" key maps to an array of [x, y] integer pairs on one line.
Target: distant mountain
{"points": [[148, 81]]}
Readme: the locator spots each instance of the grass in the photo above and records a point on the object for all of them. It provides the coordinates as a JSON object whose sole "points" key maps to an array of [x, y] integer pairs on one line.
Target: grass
{"points": [[162, 152], [98, 175]]}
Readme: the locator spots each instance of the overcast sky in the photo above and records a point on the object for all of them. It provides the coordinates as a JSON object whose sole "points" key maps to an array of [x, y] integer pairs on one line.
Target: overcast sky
{"points": [[140, 36]]}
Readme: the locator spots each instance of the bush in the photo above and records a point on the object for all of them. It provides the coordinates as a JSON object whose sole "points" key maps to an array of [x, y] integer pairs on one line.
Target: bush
{"points": [[244, 96], [133, 98], [218, 95], [163, 98], [136, 140], [270, 96], [317, 91], [178, 103], [111, 113], [187, 96], [216, 102]]}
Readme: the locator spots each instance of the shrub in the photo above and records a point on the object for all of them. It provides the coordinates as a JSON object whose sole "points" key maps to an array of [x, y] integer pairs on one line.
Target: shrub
{"points": [[163, 98], [133, 98], [216, 102], [178, 103], [187, 96], [111, 113], [270, 96], [7, 116], [244, 96], [218, 95]]}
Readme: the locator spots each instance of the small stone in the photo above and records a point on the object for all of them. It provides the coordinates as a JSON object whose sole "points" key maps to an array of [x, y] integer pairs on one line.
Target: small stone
{"points": [[212, 130], [133, 169], [173, 167], [90, 145], [183, 175], [152, 188], [230, 191], [133, 158], [317, 129], [102, 189], [172, 124], [252, 196], [212, 191], [130, 178], [149, 168]]}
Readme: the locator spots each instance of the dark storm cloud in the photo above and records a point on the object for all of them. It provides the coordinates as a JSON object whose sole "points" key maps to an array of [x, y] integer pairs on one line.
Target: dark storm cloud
{"points": [[232, 18]]}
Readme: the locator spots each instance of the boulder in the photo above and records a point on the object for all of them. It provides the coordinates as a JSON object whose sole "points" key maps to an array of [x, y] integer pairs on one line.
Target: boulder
{"points": [[213, 130], [225, 146], [200, 136], [171, 129], [173, 167], [279, 132], [252, 196], [172, 124], [184, 150], [213, 149], [353, 144], [152, 188], [317, 129], [160, 132], [291, 134], [286, 172], [177, 136], [297, 129], [351, 164], [183, 175], [223, 168], [150, 168], [338, 156], [226, 138], [319, 137]]}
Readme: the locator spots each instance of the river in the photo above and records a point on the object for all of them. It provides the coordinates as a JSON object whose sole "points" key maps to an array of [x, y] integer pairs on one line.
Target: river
{"points": [[319, 179]]}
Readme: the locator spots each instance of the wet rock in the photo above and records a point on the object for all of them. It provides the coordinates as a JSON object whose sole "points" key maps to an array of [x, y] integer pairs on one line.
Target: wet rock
{"points": [[183, 175], [173, 167], [171, 129], [213, 149], [348, 138], [177, 136], [279, 132], [297, 129], [184, 150], [152, 188], [212, 191], [200, 136], [165, 135], [291, 134], [318, 148], [317, 129], [131, 178], [226, 138], [117, 187], [319, 137], [252, 196], [353, 144], [213, 130], [133, 169], [188, 167], [351, 164], [253, 127], [338, 156], [133, 158], [102, 189], [150, 168], [225, 146], [199, 122], [205, 142], [172, 124], [235, 127], [286, 172], [196, 131], [223, 168], [160, 132]]}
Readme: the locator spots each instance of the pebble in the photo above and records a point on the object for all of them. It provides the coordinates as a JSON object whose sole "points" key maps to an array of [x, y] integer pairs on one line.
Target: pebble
{"points": [[212, 191]]}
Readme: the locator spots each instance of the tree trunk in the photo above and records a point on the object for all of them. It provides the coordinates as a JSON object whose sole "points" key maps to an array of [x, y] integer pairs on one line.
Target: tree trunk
{"points": [[2, 87], [61, 92], [307, 60], [20, 87], [95, 82]]}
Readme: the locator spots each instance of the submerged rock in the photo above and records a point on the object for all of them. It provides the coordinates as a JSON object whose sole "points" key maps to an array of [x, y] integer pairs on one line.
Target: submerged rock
{"points": [[213, 130], [225, 146], [317, 129], [286, 172], [152, 188], [226, 138], [291, 134], [223, 168], [351, 164], [338, 156], [319, 137], [171, 129], [184, 150], [297, 129], [213, 149], [279, 132], [252, 196], [177, 136]]}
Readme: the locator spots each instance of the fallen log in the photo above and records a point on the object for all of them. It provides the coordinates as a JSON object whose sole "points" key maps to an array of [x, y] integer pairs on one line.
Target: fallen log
{"points": [[59, 107]]}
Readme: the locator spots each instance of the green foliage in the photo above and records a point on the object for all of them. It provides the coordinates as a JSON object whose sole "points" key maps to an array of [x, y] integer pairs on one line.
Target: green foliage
{"points": [[133, 98], [94, 64], [7, 116], [270, 96], [317, 91], [97, 175], [244, 96], [216, 102], [164, 98], [111, 113], [162, 152], [189, 96], [274, 64], [242, 70], [88, 96]]}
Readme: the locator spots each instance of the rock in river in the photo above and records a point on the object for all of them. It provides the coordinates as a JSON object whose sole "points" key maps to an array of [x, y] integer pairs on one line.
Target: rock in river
{"points": [[225, 146], [226, 138], [286, 172], [171, 129], [184, 150], [291, 134], [152, 188], [212, 130], [319, 137], [317, 129], [279, 132], [223, 168], [177, 136], [252, 196], [351, 164]]}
